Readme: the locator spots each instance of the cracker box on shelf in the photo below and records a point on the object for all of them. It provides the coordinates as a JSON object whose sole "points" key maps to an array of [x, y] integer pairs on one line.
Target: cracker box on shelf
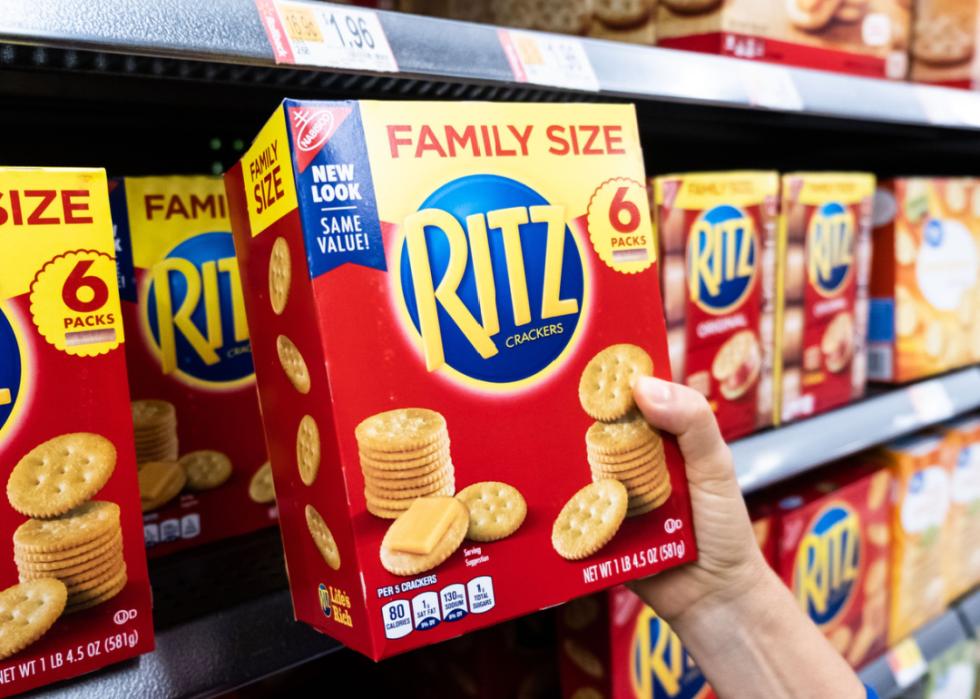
{"points": [[962, 561], [921, 467], [943, 46], [717, 238], [199, 444], [822, 275], [861, 37], [74, 592], [453, 299], [925, 278], [833, 553]]}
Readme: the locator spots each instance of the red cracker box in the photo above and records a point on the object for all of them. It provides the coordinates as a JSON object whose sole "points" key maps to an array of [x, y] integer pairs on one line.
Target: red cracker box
{"points": [[427, 284], [822, 278], [190, 364], [717, 234], [75, 594], [833, 553]]}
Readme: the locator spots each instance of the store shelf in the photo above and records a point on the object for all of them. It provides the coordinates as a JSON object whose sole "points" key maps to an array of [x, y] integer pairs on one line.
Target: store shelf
{"points": [[775, 455], [223, 40]]}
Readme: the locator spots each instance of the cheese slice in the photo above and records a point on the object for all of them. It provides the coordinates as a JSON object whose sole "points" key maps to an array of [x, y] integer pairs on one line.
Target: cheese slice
{"points": [[153, 479], [422, 525]]}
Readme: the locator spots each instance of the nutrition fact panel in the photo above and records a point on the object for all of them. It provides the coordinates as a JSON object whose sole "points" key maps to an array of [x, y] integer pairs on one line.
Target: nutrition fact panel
{"points": [[428, 609]]}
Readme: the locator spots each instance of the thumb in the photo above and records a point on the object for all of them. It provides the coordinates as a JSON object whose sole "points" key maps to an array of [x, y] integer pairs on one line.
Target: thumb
{"points": [[684, 412]]}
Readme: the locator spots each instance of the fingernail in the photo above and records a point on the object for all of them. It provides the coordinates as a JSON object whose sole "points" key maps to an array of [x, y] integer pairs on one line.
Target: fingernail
{"points": [[657, 391]]}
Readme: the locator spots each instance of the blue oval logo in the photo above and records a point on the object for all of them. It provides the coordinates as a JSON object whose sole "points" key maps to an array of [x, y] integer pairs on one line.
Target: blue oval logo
{"points": [[195, 312], [721, 259], [830, 247], [828, 563], [492, 279], [933, 233], [11, 369], [660, 665]]}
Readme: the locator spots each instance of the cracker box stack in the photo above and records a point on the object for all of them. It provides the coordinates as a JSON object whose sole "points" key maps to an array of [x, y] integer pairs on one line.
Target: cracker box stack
{"points": [[962, 561], [717, 235], [943, 46], [822, 290], [925, 278], [199, 445], [833, 553], [921, 466], [452, 300], [74, 593], [861, 37]]}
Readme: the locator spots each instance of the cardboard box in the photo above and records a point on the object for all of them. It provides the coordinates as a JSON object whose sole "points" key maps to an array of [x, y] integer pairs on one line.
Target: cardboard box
{"points": [[822, 278], [943, 46], [833, 553], [863, 37], [920, 466], [188, 347], [962, 561], [925, 278], [717, 235], [70, 511], [441, 276]]}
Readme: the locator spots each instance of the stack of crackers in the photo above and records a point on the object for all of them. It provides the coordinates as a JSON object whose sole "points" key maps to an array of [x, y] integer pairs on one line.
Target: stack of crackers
{"points": [[404, 455], [154, 430], [162, 481], [69, 537], [621, 445]]}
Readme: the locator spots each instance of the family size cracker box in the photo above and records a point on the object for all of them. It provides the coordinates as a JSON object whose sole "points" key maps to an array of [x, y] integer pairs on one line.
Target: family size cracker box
{"points": [[861, 37], [833, 553], [199, 444], [717, 235], [454, 299], [921, 467], [943, 46], [822, 289], [962, 560], [925, 278], [74, 592]]}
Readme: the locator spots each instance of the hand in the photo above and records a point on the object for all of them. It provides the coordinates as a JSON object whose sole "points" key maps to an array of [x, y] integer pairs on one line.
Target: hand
{"points": [[729, 561]]}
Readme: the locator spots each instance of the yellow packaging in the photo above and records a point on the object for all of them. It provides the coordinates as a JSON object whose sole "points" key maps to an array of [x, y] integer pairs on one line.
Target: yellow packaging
{"points": [[962, 561], [920, 502]]}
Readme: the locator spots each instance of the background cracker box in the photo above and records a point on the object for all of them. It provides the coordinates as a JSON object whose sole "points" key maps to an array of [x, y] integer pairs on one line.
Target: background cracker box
{"points": [[925, 278], [822, 280], [184, 315], [63, 388], [943, 46], [962, 562], [833, 553], [717, 235], [862, 37], [350, 217], [920, 466]]}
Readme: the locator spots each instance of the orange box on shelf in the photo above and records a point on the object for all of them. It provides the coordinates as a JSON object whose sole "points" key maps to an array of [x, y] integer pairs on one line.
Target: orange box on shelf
{"points": [[925, 278], [943, 46], [962, 559]]}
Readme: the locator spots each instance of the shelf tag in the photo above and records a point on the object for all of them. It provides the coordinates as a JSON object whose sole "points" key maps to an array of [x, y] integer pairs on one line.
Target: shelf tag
{"points": [[930, 401], [548, 59], [769, 86], [326, 35], [906, 663]]}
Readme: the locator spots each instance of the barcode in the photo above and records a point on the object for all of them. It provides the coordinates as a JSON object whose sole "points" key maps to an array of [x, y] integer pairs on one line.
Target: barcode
{"points": [[880, 362]]}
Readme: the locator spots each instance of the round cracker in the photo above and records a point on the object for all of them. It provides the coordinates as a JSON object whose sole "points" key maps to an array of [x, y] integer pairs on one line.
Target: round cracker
{"points": [[93, 600], [152, 415], [403, 563], [205, 468], [496, 510], [82, 526], [626, 434], [590, 519], [62, 565], [651, 459], [420, 474], [398, 458], [91, 572], [434, 458], [261, 488], [280, 275], [27, 611], [402, 429], [293, 364], [322, 537], [308, 449], [447, 490], [649, 506], [373, 491], [605, 389], [60, 474]]}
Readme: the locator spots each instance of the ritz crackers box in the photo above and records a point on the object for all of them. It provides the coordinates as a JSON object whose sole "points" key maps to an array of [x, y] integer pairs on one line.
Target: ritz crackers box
{"points": [[833, 552], [63, 377], [822, 275], [717, 234], [184, 315], [468, 259], [925, 278]]}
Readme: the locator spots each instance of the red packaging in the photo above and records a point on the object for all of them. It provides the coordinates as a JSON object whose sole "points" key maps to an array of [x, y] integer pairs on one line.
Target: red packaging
{"points": [[348, 217], [833, 553], [188, 348], [70, 513]]}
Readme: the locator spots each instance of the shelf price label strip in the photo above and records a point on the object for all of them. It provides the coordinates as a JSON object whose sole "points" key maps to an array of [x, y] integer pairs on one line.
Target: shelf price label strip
{"points": [[325, 35], [547, 59]]}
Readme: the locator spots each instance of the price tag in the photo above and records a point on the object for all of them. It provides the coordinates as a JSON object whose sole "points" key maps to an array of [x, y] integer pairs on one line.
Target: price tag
{"points": [[906, 663], [936, 104], [771, 87], [331, 36], [930, 401], [548, 59]]}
